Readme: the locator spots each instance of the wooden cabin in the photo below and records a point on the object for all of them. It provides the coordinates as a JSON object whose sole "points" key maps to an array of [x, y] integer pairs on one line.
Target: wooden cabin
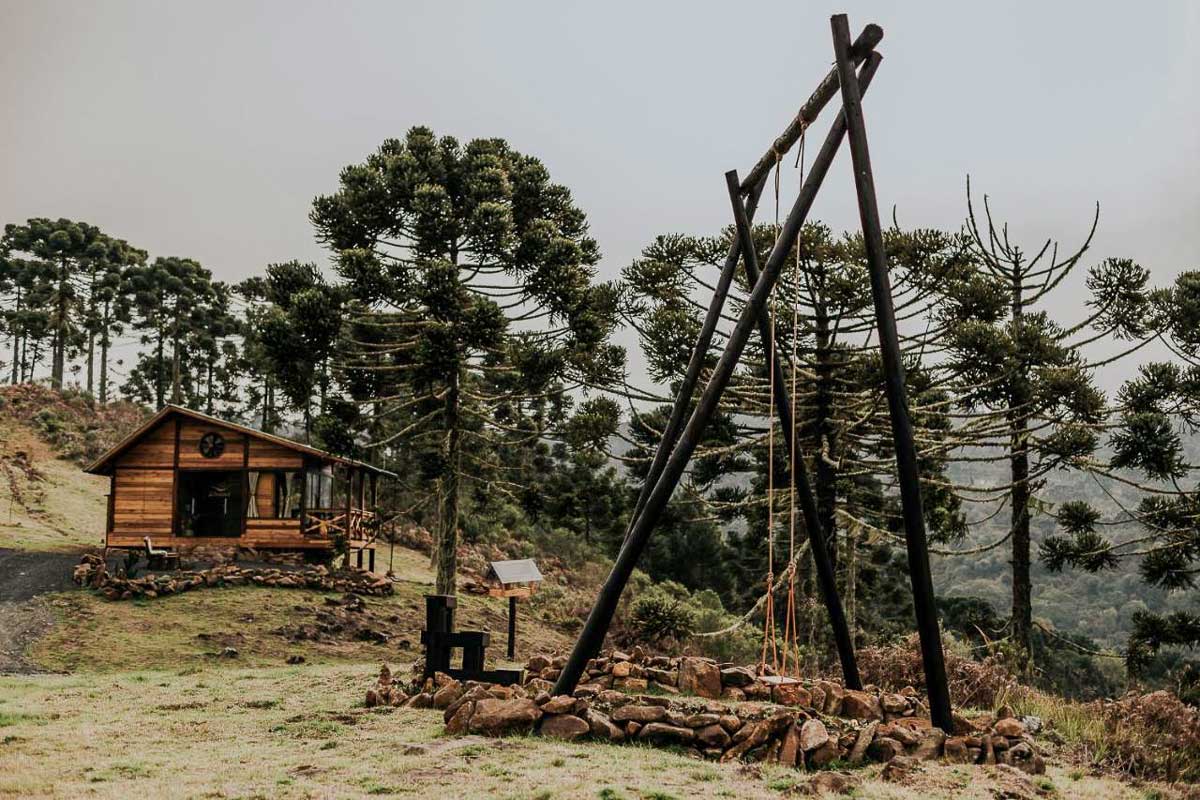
{"points": [[187, 480]]}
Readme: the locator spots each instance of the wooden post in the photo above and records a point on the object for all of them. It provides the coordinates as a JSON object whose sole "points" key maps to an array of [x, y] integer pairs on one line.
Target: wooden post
{"points": [[752, 187], [893, 368], [346, 521], [598, 621], [512, 627]]}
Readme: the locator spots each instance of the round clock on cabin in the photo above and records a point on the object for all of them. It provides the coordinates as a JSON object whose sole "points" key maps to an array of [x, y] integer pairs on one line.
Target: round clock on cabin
{"points": [[212, 445]]}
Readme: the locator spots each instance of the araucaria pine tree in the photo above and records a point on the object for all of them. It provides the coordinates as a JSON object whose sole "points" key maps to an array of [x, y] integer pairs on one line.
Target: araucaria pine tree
{"points": [[1157, 415], [473, 300], [1024, 382]]}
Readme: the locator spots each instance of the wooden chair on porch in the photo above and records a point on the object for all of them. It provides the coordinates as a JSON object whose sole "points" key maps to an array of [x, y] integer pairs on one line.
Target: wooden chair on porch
{"points": [[159, 558]]}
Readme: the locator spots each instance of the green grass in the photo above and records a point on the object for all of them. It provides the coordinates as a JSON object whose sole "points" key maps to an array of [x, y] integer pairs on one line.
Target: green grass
{"points": [[154, 733]]}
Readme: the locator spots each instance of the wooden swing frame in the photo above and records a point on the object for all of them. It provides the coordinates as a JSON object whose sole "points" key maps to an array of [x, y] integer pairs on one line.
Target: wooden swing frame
{"points": [[680, 440]]}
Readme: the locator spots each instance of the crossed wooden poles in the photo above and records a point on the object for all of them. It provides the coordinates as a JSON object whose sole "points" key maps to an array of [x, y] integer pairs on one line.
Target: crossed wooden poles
{"points": [[681, 437]]}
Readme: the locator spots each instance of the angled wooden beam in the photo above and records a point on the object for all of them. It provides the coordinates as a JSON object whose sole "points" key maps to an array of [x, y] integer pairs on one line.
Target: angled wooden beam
{"points": [[893, 368], [598, 621], [752, 189]]}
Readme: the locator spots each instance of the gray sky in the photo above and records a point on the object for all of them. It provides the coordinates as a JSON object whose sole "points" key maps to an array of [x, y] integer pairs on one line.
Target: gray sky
{"points": [[205, 129]]}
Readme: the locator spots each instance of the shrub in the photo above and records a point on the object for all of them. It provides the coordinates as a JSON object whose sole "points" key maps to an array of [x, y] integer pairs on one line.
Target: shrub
{"points": [[659, 616], [974, 684]]}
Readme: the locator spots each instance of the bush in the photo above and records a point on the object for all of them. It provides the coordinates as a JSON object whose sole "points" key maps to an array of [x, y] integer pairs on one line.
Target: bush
{"points": [[974, 684], [660, 616]]}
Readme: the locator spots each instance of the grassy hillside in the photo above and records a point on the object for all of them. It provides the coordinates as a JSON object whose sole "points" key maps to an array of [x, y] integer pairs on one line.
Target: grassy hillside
{"points": [[46, 502], [190, 630], [46, 437]]}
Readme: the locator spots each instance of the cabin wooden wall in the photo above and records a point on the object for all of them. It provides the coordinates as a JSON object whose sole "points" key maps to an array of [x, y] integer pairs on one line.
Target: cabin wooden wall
{"points": [[144, 486]]}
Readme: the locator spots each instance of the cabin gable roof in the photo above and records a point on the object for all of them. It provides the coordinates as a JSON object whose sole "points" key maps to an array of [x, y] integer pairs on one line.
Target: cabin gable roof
{"points": [[105, 464]]}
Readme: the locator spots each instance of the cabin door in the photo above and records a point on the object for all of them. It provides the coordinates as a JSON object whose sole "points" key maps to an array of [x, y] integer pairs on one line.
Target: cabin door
{"points": [[210, 503]]}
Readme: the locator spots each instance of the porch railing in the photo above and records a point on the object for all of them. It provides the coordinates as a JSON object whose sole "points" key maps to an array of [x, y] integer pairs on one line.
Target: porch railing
{"points": [[358, 526]]}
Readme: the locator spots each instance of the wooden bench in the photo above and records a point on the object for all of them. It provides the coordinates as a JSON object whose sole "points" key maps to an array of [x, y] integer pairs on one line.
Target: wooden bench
{"points": [[158, 558]]}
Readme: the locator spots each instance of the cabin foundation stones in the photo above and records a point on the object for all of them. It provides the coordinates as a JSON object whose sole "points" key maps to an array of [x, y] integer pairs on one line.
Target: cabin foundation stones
{"points": [[720, 712], [92, 572]]}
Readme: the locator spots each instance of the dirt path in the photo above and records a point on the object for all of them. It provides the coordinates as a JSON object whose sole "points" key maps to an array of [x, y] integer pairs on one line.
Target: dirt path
{"points": [[24, 577]]}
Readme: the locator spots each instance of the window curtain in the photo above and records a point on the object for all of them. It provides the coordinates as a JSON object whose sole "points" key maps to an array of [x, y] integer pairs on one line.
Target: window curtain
{"points": [[252, 500]]}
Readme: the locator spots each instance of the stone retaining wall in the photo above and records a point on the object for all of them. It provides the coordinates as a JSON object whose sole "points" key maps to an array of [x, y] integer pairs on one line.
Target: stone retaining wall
{"points": [[808, 725], [93, 573]]}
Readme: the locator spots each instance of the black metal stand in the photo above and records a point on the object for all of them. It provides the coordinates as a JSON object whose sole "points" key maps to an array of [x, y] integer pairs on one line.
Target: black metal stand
{"points": [[440, 640]]}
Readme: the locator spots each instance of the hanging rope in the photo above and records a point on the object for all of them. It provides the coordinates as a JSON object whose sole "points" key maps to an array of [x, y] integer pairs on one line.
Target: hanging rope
{"points": [[769, 609], [791, 625]]}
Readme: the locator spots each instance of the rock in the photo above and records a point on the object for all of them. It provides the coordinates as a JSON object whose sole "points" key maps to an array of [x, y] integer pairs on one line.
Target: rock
{"points": [[962, 725], [1010, 727], [537, 685], [613, 698], [501, 717], [665, 677], [894, 704], [737, 676], [661, 733], [813, 734], [459, 722], [603, 728], [1034, 766], [713, 736], [420, 700], [732, 694], [1032, 724], [295, 659], [834, 695], [931, 744], [444, 697], [1005, 712], [700, 676], [898, 769], [565, 726], [632, 684], [373, 698], [790, 752], [639, 714], [831, 783], [905, 736], [792, 694], [865, 736], [885, 748], [228, 652], [537, 664], [730, 723], [954, 750], [631, 729], [622, 669], [825, 755], [562, 704], [861, 705]]}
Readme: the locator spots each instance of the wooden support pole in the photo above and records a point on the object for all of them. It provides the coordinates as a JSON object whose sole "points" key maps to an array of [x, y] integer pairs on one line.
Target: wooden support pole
{"points": [[598, 621], [512, 627], [893, 368], [752, 188]]}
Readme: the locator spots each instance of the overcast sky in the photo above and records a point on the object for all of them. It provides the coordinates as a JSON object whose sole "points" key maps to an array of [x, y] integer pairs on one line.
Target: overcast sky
{"points": [[205, 129]]}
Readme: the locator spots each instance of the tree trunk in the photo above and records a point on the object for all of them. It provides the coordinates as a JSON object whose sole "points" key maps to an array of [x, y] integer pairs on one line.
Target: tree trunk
{"points": [[176, 394], [104, 345], [59, 357], [16, 356], [826, 475], [91, 365], [159, 388], [1022, 589], [447, 547], [851, 590]]}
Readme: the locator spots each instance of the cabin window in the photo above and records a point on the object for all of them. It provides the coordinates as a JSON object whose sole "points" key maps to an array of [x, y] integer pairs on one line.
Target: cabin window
{"points": [[273, 494], [320, 487], [210, 503]]}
